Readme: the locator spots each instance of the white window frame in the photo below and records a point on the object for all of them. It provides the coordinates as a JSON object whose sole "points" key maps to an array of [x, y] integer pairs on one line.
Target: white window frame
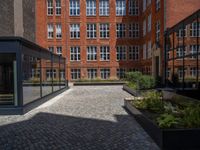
{"points": [[51, 49], [149, 22], [75, 74], [133, 7], [104, 8], [121, 73], [58, 31], [58, 7], [134, 30], [121, 30], [134, 53], [91, 30], [181, 51], [50, 7], [91, 53], [91, 7], [75, 31], [194, 29], [59, 50], [50, 31], [74, 8], [157, 5], [75, 53], [104, 53], [92, 73], [121, 52], [144, 5], [182, 32], [105, 73], [104, 30], [120, 7]]}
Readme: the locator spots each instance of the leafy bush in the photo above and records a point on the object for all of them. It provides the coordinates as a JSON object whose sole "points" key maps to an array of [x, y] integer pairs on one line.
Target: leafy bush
{"points": [[132, 85], [141, 81], [191, 116], [167, 121], [154, 101]]}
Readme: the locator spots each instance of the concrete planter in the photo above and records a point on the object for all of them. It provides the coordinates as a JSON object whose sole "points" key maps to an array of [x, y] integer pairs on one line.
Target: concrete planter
{"points": [[131, 91], [167, 139]]}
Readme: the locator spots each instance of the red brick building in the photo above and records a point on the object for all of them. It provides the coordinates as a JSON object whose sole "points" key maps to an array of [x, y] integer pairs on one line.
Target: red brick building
{"points": [[104, 38]]}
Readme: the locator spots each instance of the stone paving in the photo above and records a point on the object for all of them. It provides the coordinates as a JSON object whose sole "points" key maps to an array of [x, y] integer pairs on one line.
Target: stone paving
{"points": [[82, 118]]}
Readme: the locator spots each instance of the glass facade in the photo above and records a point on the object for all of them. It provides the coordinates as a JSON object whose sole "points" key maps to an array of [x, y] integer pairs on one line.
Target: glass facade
{"points": [[28, 72]]}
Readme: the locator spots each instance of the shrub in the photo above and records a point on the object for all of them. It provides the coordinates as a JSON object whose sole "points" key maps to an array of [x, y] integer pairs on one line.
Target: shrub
{"points": [[154, 101], [167, 121], [191, 116], [141, 81]]}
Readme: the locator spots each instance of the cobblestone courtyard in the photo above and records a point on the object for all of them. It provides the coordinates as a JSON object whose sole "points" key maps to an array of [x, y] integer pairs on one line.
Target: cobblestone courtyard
{"points": [[82, 118]]}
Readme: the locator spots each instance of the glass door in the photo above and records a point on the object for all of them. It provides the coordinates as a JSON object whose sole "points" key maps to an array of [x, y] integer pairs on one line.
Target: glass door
{"points": [[7, 79]]}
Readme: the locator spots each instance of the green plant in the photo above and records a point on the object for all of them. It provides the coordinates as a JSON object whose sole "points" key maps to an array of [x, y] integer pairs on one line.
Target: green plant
{"points": [[132, 85], [141, 81], [167, 121], [154, 101], [191, 116]]}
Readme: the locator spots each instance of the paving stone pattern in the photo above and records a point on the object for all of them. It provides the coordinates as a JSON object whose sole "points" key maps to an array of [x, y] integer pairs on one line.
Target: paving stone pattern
{"points": [[83, 118]]}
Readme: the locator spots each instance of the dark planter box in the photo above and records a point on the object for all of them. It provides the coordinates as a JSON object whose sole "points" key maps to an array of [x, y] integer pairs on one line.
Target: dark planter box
{"points": [[131, 91], [167, 139], [97, 83]]}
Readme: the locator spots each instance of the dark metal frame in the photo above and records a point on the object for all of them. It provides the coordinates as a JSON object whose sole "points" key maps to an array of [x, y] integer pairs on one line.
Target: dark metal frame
{"points": [[171, 32], [19, 46]]}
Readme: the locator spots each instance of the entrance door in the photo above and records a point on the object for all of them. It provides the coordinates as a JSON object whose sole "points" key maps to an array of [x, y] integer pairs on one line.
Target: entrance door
{"points": [[7, 79]]}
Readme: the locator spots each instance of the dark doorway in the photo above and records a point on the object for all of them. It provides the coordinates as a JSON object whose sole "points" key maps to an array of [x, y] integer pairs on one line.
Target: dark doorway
{"points": [[7, 62], [157, 66]]}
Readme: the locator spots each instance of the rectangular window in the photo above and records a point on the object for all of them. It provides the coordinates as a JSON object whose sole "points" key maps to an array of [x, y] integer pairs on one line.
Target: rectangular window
{"points": [[181, 32], [104, 8], [157, 5], [105, 53], [91, 7], [50, 74], [62, 74], [51, 49], [91, 31], [144, 5], [74, 7], [35, 73], [104, 30], [134, 53], [144, 27], [92, 73], [181, 51], [144, 51], [121, 73], [120, 7], [50, 7], [58, 31], [121, 30], [58, 7], [195, 29], [134, 30], [121, 53], [50, 31], [133, 7], [181, 73], [157, 31], [75, 54], [193, 50], [193, 71], [75, 74], [149, 23], [59, 50], [74, 31], [149, 52], [91, 53], [105, 73]]}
